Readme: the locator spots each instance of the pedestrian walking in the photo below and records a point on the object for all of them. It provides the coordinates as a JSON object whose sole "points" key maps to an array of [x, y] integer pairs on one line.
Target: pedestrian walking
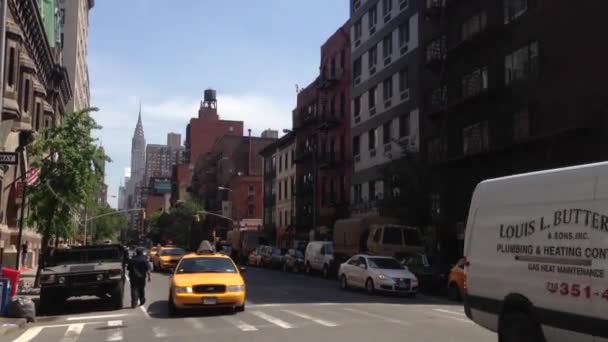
{"points": [[139, 270]]}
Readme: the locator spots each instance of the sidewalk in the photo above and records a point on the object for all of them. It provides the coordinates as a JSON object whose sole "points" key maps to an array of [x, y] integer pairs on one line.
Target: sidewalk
{"points": [[26, 283], [8, 325]]}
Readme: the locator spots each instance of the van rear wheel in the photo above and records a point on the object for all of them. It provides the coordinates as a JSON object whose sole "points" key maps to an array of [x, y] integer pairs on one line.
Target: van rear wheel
{"points": [[519, 327]]}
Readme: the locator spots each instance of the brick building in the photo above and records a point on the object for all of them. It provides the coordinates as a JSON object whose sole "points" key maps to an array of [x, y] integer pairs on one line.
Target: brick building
{"points": [[512, 86], [323, 149]]}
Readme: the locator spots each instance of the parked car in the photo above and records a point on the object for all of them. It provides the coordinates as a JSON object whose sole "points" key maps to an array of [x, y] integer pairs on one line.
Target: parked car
{"points": [[377, 273], [433, 276], [319, 257], [274, 259], [457, 281], [293, 261]]}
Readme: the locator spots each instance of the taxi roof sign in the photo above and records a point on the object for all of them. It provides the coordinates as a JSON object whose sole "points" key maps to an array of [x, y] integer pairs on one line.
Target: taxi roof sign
{"points": [[205, 248]]}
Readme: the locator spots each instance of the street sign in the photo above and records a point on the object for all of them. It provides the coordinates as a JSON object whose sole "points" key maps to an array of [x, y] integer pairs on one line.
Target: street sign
{"points": [[19, 187], [9, 158], [32, 176]]}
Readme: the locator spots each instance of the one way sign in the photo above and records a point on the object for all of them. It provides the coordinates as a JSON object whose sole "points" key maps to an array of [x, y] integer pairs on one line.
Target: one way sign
{"points": [[9, 158]]}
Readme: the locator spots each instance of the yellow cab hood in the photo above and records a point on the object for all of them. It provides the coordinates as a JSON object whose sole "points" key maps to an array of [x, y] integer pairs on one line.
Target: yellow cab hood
{"points": [[190, 279], [170, 258]]}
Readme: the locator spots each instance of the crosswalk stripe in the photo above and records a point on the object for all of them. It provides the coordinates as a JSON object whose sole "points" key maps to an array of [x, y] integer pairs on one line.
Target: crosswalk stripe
{"points": [[197, 324], [272, 319], [72, 332], [159, 332], [450, 312], [372, 315], [82, 318], [240, 324], [29, 334], [316, 320], [115, 334]]}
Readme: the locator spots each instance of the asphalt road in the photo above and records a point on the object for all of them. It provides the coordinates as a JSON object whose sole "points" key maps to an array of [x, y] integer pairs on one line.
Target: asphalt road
{"points": [[280, 307]]}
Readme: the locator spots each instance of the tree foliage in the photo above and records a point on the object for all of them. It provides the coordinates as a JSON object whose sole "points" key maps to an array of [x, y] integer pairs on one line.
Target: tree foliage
{"points": [[108, 225], [182, 225], [66, 156]]}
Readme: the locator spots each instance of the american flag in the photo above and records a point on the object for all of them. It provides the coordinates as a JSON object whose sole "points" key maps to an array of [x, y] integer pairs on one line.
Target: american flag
{"points": [[32, 175]]}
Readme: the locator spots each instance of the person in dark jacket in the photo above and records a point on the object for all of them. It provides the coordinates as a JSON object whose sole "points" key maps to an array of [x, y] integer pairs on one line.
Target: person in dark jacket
{"points": [[139, 270]]}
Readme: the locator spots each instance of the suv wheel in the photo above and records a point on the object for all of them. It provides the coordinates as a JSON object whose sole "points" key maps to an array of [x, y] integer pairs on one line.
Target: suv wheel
{"points": [[325, 271], [343, 282], [117, 297], [519, 327]]}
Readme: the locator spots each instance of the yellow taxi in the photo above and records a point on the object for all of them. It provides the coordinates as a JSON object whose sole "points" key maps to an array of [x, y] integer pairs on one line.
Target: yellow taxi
{"points": [[207, 279], [166, 258]]}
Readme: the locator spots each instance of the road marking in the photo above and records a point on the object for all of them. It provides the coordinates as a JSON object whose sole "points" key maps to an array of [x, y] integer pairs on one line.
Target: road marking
{"points": [[95, 317], [240, 324], [29, 334], [450, 312], [372, 315], [159, 332], [272, 319], [115, 334], [197, 324], [450, 316], [72, 332], [143, 309], [316, 320]]}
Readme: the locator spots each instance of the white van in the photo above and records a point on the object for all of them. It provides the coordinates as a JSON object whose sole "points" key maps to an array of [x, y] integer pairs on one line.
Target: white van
{"points": [[536, 253], [319, 257]]}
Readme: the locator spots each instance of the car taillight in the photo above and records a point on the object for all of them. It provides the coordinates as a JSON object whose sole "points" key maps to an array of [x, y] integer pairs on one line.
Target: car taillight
{"points": [[466, 270]]}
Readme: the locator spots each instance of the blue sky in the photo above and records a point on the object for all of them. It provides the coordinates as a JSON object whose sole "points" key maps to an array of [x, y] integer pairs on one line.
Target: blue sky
{"points": [[253, 52]]}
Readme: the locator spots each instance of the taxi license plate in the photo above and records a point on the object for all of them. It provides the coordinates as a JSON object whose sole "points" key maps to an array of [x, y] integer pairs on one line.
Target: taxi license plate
{"points": [[210, 301]]}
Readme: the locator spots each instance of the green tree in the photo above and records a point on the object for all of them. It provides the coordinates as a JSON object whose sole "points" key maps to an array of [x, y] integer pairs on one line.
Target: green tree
{"points": [[106, 223], [182, 225], [66, 156]]}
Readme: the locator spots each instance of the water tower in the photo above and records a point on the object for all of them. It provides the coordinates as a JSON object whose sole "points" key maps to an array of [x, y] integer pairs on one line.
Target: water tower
{"points": [[208, 108]]}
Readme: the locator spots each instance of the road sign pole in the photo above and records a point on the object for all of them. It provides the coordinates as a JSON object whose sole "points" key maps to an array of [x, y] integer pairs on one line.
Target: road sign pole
{"points": [[22, 216]]}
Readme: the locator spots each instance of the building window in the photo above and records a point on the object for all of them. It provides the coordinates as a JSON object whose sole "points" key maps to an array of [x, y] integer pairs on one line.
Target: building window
{"points": [[273, 189], [332, 106], [371, 97], [273, 163], [387, 8], [341, 147], [332, 191], [372, 16], [474, 25], [387, 89], [521, 125], [372, 190], [251, 210], [404, 34], [439, 97], [332, 68], [26, 96], [358, 30], [371, 142], [403, 80], [436, 50], [285, 189], [357, 68], [11, 67], [386, 132], [372, 56], [357, 106], [475, 138], [280, 218], [514, 9], [342, 59], [475, 82], [404, 125], [342, 105], [36, 124], [356, 145], [280, 190], [358, 193], [522, 63], [387, 46]]}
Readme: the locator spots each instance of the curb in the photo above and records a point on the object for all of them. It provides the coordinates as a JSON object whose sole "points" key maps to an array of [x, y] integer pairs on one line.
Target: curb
{"points": [[10, 325]]}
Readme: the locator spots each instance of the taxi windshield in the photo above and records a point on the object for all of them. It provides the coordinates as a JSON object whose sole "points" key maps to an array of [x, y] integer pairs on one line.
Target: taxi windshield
{"points": [[172, 252], [206, 265]]}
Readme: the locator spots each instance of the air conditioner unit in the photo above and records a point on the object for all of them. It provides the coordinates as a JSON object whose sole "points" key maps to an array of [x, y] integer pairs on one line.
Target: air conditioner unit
{"points": [[405, 95]]}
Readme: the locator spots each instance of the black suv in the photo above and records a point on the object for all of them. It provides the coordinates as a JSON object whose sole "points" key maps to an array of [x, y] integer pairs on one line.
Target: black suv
{"points": [[83, 271]]}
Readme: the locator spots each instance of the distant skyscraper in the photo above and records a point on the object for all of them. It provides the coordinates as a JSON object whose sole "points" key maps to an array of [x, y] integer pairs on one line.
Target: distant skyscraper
{"points": [[160, 160], [138, 167], [174, 139]]}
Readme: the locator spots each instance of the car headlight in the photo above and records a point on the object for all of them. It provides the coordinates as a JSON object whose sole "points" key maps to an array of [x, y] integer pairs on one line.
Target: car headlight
{"points": [[48, 279], [235, 288], [183, 289], [382, 276], [100, 277], [61, 280]]}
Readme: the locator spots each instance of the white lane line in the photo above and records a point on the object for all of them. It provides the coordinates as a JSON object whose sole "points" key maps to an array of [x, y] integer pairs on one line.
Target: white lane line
{"points": [[82, 318], [451, 312], [240, 324], [450, 316], [115, 334], [316, 320], [29, 334], [160, 332], [272, 319], [372, 315], [72, 332], [145, 311], [196, 324]]}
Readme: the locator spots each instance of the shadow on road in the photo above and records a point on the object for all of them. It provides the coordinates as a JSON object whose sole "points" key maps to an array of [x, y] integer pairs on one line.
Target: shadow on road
{"points": [[76, 306], [159, 309]]}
